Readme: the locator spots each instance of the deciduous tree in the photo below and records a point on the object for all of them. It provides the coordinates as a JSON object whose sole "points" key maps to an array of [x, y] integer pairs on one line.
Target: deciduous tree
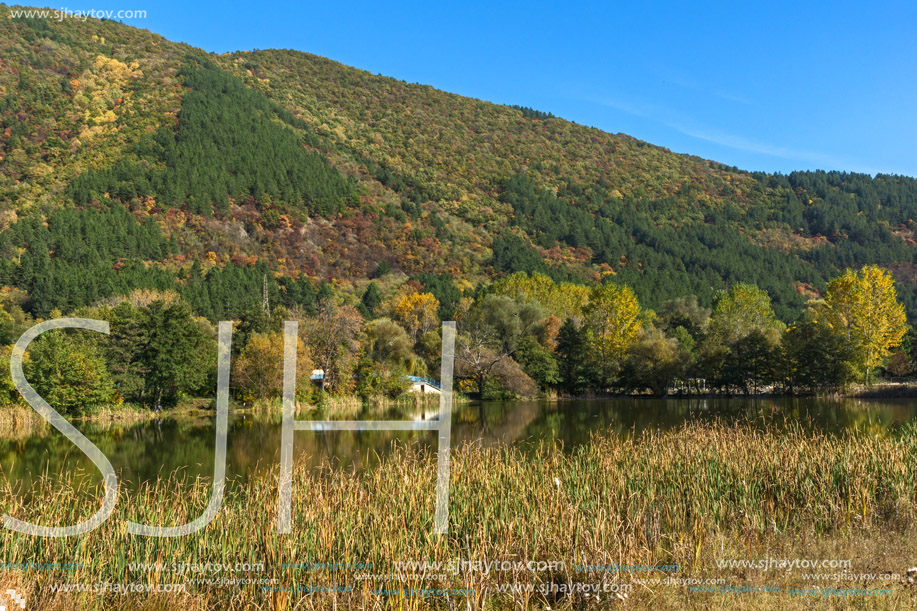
{"points": [[417, 312], [613, 316], [739, 311], [257, 372], [333, 336], [490, 331], [69, 375], [863, 306]]}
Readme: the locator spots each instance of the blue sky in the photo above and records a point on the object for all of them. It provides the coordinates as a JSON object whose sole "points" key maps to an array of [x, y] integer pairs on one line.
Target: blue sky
{"points": [[772, 86]]}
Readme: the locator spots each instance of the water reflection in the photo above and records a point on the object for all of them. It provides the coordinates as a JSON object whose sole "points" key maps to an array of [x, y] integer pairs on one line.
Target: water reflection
{"points": [[144, 452]]}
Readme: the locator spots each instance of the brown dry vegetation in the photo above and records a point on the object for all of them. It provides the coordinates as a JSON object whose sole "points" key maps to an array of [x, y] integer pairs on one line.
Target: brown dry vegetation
{"points": [[689, 496]]}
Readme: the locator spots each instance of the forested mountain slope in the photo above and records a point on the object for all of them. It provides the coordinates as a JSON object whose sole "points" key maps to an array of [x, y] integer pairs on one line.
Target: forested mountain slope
{"points": [[200, 173]]}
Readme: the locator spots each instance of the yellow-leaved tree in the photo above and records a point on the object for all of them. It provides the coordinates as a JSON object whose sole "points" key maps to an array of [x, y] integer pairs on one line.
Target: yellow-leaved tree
{"points": [[258, 371], [417, 312], [863, 306], [613, 316], [564, 300]]}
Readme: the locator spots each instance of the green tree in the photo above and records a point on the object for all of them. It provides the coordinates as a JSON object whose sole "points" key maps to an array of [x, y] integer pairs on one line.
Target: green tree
{"points": [[815, 358], [538, 361], [739, 311], [383, 268], [654, 361], [8, 393], [386, 342], [711, 365], [576, 374], [443, 288], [122, 349], [684, 312], [387, 357], [257, 373], [492, 330], [178, 354], [513, 254], [752, 362], [372, 298], [69, 374], [7, 328]]}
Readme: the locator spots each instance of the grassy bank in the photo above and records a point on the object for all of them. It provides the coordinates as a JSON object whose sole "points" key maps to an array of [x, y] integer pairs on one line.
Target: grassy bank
{"points": [[19, 421], [687, 497]]}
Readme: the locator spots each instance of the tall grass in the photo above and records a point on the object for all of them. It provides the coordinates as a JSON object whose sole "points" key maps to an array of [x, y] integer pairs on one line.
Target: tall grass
{"points": [[661, 498], [18, 421]]}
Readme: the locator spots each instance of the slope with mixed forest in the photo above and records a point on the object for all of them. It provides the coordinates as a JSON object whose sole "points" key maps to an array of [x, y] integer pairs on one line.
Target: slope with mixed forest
{"points": [[129, 161]]}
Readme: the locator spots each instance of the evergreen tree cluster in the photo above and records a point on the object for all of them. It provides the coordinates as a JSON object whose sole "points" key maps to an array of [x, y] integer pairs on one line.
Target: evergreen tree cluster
{"points": [[513, 254], [230, 142], [82, 256], [232, 291], [702, 258], [531, 113], [443, 288], [835, 203]]}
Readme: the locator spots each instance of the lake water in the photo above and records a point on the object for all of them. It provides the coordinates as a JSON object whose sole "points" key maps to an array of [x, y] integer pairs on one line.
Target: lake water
{"points": [[145, 451]]}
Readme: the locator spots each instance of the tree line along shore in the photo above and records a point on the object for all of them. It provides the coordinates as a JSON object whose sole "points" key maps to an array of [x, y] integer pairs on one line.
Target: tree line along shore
{"points": [[523, 335]]}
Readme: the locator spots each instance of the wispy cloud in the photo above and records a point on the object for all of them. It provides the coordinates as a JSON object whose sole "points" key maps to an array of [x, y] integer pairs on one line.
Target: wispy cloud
{"points": [[740, 143], [695, 85], [693, 129]]}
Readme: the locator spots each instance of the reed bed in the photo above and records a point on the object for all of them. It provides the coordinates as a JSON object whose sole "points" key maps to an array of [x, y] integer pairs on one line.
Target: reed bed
{"points": [[662, 498], [19, 421]]}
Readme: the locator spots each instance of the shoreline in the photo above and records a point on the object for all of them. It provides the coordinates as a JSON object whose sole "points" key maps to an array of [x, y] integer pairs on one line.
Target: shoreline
{"points": [[889, 390], [20, 421]]}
